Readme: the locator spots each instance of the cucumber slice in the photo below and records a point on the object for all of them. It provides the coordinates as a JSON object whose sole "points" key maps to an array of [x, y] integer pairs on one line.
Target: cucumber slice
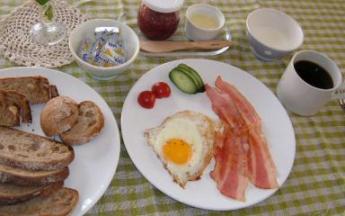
{"points": [[183, 81], [191, 75], [194, 74]]}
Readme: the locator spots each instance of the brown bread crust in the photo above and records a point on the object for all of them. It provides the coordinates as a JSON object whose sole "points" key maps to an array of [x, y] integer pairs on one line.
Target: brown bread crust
{"points": [[11, 194], [12, 99], [59, 203], [53, 92], [35, 88], [31, 178], [89, 124], [9, 115], [32, 152]]}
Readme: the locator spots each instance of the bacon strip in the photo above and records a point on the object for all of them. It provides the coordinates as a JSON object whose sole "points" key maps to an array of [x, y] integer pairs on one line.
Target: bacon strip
{"points": [[230, 170], [242, 151], [224, 107], [261, 170], [245, 108]]}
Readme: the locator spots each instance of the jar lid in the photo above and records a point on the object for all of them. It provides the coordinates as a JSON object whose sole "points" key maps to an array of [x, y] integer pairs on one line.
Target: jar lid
{"points": [[166, 6]]}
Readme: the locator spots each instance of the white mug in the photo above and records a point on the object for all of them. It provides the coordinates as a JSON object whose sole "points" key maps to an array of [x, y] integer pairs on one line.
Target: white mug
{"points": [[301, 97]]}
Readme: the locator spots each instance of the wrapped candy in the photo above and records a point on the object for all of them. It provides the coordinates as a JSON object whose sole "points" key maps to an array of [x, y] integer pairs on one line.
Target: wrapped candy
{"points": [[85, 49], [105, 49]]}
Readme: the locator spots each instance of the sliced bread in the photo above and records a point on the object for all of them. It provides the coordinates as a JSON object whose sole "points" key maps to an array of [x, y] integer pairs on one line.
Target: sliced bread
{"points": [[28, 177], [29, 151], [9, 115], [12, 101], [59, 203], [59, 115], [89, 124], [35, 88], [11, 194]]}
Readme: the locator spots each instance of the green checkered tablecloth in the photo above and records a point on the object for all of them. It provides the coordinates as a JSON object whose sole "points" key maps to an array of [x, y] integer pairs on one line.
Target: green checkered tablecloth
{"points": [[316, 185]]}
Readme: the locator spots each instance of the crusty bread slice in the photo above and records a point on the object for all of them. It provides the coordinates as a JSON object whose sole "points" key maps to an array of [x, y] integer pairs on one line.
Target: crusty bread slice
{"points": [[53, 91], [9, 115], [59, 203], [29, 151], [35, 88], [29, 178], [11, 194], [89, 124], [12, 101]]}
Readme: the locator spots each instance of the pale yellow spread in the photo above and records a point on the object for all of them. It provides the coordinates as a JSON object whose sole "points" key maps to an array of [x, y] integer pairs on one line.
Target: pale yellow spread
{"points": [[204, 21]]}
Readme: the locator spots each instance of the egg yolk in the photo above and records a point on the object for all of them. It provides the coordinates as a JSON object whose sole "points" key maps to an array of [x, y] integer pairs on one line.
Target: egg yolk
{"points": [[177, 151]]}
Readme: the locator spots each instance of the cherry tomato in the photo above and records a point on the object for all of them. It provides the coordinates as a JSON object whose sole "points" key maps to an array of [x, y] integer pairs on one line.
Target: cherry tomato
{"points": [[161, 90], [147, 99]]}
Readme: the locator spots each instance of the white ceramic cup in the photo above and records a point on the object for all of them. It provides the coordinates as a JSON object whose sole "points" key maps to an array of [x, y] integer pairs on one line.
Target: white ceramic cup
{"points": [[299, 96], [194, 32]]}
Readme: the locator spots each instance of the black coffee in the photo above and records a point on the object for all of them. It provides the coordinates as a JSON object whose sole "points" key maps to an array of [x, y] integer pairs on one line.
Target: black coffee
{"points": [[314, 74]]}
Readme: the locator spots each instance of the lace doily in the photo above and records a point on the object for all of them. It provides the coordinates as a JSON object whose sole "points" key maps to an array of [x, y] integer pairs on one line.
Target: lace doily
{"points": [[17, 45]]}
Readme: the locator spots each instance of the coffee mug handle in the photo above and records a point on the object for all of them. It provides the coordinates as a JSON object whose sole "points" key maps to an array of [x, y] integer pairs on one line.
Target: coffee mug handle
{"points": [[339, 93]]}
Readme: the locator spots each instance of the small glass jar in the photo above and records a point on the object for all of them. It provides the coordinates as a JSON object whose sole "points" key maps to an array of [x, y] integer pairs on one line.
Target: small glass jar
{"points": [[158, 19]]}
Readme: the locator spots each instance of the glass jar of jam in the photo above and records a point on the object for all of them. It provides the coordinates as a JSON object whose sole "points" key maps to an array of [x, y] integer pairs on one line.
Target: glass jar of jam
{"points": [[158, 19]]}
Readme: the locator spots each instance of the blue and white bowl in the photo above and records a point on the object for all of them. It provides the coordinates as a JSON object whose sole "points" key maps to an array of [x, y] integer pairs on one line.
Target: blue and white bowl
{"points": [[273, 34]]}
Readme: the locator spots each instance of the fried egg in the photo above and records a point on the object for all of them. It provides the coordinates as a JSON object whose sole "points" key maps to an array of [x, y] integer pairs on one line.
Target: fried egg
{"points": [[184, 143]]}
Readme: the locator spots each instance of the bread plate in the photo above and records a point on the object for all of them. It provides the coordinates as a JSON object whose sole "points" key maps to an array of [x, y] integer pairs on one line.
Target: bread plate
{"points": [[203, 193], [95, 163]]}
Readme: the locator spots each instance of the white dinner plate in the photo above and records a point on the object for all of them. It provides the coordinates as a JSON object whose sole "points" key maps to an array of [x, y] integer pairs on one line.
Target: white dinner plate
{"points": [[203, 193], [95, 163]]}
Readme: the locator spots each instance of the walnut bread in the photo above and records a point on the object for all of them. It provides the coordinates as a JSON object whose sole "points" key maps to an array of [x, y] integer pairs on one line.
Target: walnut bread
{"points": [[35, 88], [89, 124], [29, 151], [29, 177], [59, 203], [11, 193], [13, 105]]}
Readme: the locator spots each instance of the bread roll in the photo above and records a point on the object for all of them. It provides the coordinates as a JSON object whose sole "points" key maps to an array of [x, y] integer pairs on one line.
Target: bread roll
{"points": [[59, 115]]}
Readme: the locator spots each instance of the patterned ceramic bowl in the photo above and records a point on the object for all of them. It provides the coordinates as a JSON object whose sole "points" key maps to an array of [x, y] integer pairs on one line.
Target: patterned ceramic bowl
{"points": [[273, 34]]}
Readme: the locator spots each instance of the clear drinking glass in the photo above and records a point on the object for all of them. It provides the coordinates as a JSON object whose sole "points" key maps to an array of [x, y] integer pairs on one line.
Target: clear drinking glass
{"points": [[47, 31]]}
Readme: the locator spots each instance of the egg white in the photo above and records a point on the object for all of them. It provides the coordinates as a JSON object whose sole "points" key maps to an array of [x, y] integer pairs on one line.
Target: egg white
{"points": [[192, 128]]}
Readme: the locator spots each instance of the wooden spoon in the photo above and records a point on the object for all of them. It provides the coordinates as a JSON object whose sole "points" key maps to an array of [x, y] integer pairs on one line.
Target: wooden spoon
{"points": [[170, 46]]}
